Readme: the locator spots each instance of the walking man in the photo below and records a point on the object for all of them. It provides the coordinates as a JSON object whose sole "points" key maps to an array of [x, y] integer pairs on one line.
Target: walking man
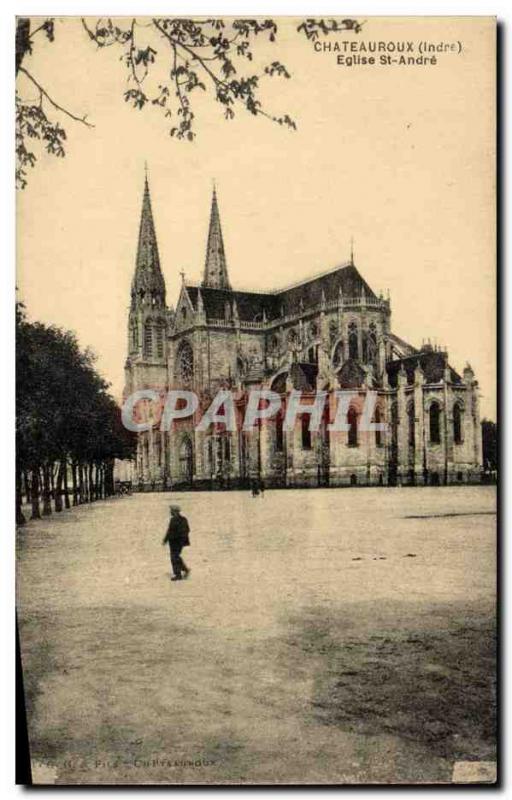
{"points": [[177, 536]]}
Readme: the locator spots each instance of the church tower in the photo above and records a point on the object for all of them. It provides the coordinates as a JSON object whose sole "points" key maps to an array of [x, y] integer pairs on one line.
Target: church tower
{"points": [[215, 268], [147, 323]]}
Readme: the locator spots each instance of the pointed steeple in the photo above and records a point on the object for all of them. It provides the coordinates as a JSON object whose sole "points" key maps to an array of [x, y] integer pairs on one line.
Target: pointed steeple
{"points": [[148, 285], [215, 268]]}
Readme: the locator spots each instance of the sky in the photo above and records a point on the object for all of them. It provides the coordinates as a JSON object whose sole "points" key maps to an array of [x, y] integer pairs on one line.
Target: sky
{"points": [[399, 159]]}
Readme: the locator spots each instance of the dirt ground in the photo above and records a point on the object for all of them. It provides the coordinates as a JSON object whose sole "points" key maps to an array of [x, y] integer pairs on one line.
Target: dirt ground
{"points": [[326, 636]]}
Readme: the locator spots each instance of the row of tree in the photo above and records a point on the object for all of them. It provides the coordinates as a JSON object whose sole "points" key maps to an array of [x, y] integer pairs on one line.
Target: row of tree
{"points": [[68, 427]]}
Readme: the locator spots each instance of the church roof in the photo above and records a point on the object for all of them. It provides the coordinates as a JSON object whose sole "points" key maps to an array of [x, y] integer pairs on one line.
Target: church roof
{"points": [[309, 292], [251, 306], [432, 362]]}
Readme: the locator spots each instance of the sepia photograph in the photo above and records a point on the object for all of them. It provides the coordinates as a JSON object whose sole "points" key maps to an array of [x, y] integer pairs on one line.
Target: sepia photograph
{"points": [[256, 400]]}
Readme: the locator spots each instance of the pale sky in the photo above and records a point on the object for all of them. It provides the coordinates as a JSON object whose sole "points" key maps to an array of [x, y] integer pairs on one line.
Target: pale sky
{"points": [[399, 158]]}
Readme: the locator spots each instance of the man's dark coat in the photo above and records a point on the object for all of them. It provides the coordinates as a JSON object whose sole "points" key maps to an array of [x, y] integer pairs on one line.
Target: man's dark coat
{"points": [[177, 532]]}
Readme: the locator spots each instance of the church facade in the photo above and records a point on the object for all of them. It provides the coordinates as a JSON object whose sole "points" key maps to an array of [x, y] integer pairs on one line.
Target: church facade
{"points": [[328, 333]]}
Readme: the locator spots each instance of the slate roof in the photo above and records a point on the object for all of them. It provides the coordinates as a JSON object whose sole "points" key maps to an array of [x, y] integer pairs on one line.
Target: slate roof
{"points": [[407, 348], [310, 291], [432, 362], [304, 376], [251, 305]]}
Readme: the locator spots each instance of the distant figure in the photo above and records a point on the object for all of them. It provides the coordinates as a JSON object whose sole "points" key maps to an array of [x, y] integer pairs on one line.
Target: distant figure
{"points": [[255, 489], [262, 487], [177, 536]]}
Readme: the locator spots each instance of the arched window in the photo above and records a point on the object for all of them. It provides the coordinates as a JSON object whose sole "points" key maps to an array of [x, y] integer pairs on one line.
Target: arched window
{"points": [[372, 344], [337, 357], [457, 424], [160, 341], [305, 432], [227, 448], [135, 336], [324, 425], [185, 362], [394, 430], [279, 383], [148, 339], [240, 367], [411, 427], [365, 346], [435, 430], [378, 434], [209, 454], [333, 332], [353, 342], [293, 336], [186, 456], [352, 431], [279, 432]]}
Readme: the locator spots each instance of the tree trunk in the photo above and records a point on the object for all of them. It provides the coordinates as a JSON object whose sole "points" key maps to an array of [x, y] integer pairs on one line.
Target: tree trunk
{"points": [[90, 482], [74, 480], [99, 481], [58, 488], [20, 519], [102, 481], [51, 473], [109, 477], [106, 478], [34, 493], [82, 487], [26, 486], [65, 480], [87, 488], [47, 503]]}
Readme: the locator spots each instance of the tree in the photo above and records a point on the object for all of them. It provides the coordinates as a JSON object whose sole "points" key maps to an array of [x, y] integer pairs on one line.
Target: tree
{"points": [[168, 61], [65, 420], [489, 445]]}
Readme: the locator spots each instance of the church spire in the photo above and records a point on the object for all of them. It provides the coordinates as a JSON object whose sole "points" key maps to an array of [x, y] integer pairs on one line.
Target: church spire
{"points": [[148, 285], [215, 268]]}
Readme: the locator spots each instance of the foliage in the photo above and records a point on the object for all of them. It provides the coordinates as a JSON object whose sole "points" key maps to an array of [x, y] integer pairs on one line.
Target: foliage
{"points": [[213, 56], [33, 123], [64, 413], [489, 445]]}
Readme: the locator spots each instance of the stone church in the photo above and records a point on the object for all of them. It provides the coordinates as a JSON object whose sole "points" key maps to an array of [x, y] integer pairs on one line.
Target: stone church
{"points": [[327, 332]]}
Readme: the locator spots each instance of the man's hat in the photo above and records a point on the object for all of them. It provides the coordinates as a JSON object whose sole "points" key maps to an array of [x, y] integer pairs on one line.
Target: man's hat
{"points": [[175, 508]]}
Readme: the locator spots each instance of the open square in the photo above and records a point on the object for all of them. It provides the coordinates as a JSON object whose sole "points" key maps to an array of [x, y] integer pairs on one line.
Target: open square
{"points": [[325, 636]]}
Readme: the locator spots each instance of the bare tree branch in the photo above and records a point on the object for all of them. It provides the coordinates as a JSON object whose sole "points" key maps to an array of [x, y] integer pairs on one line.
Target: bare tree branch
{"points": [[56, 105]]}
